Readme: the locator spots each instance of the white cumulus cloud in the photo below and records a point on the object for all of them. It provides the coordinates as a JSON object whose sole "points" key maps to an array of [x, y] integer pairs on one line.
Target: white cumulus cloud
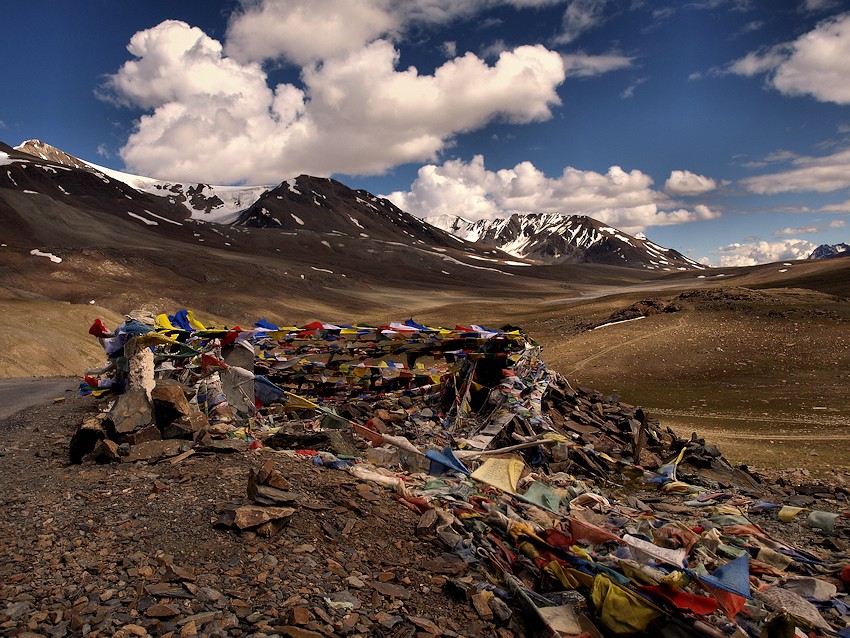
{"points": [[468, 189], [814, 64], [820, 174], [212, 114], [176, 63], [762, 252], [300, 31], [688, 183], [304, 31], [213, 118]]}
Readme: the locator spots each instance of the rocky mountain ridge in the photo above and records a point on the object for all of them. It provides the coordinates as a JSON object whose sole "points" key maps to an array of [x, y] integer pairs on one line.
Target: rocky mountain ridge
{"points": [[326, 206], [826, 251], [77, 234], [205, 202], [553, 238]]}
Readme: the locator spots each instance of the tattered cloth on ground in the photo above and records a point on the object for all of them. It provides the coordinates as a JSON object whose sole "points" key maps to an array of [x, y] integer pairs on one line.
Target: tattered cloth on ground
{"points": [[544, 486]]}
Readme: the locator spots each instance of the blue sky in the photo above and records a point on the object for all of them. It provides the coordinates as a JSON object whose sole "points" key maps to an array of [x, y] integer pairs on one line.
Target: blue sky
{"points": [[718, 127]]}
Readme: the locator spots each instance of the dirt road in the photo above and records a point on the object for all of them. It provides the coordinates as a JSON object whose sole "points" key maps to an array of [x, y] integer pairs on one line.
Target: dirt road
{"points": [[19, 393]]}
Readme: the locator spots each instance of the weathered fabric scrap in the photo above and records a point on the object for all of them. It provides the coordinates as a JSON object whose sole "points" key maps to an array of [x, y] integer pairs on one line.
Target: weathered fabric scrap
{"points": [[620, 610], [500, 473]]}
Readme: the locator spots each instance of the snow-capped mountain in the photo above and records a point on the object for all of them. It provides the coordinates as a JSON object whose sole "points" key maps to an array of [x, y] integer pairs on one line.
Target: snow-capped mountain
{"points": [[305, 232], [325, 205], [205, 202], [825, 251], [52, 197], [327, 211], [565, 239], [324, 208]]}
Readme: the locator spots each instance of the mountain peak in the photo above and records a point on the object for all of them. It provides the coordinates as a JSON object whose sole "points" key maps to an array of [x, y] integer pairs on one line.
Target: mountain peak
{"points": [[45, 151], [554, 238], [825, 251], [324, 205]]}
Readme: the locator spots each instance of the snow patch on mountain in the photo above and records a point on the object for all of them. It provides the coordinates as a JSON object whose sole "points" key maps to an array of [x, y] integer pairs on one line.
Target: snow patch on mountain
{"points": [[825, 251], [554, 239], [142, 218], [205, 202], [38, 253]]}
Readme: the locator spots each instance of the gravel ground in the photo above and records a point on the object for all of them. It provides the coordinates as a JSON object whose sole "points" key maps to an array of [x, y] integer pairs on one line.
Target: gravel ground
{"points": [[131, 549]]}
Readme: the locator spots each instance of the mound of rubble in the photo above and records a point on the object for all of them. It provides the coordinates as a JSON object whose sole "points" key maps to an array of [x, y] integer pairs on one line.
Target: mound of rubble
{"points": [[643, 308], [575, 513]]}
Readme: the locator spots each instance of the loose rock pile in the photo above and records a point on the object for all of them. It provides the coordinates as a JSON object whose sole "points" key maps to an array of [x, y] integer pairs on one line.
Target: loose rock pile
{"points": [[269, 489], [585, 515]]}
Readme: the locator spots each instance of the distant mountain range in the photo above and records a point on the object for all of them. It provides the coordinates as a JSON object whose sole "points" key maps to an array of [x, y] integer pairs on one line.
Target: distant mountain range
{"points": [[565, 239], [323, 209], [308, 247], [826, 251], [79, 233]]}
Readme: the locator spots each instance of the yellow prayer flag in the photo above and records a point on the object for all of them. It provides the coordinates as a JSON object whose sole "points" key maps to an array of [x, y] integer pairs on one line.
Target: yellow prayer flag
{"points": [[500, 473], [154, 339], [568, 577], [295, 402], [620, 610], [788, 512], [161, 322], [197, 325]]}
